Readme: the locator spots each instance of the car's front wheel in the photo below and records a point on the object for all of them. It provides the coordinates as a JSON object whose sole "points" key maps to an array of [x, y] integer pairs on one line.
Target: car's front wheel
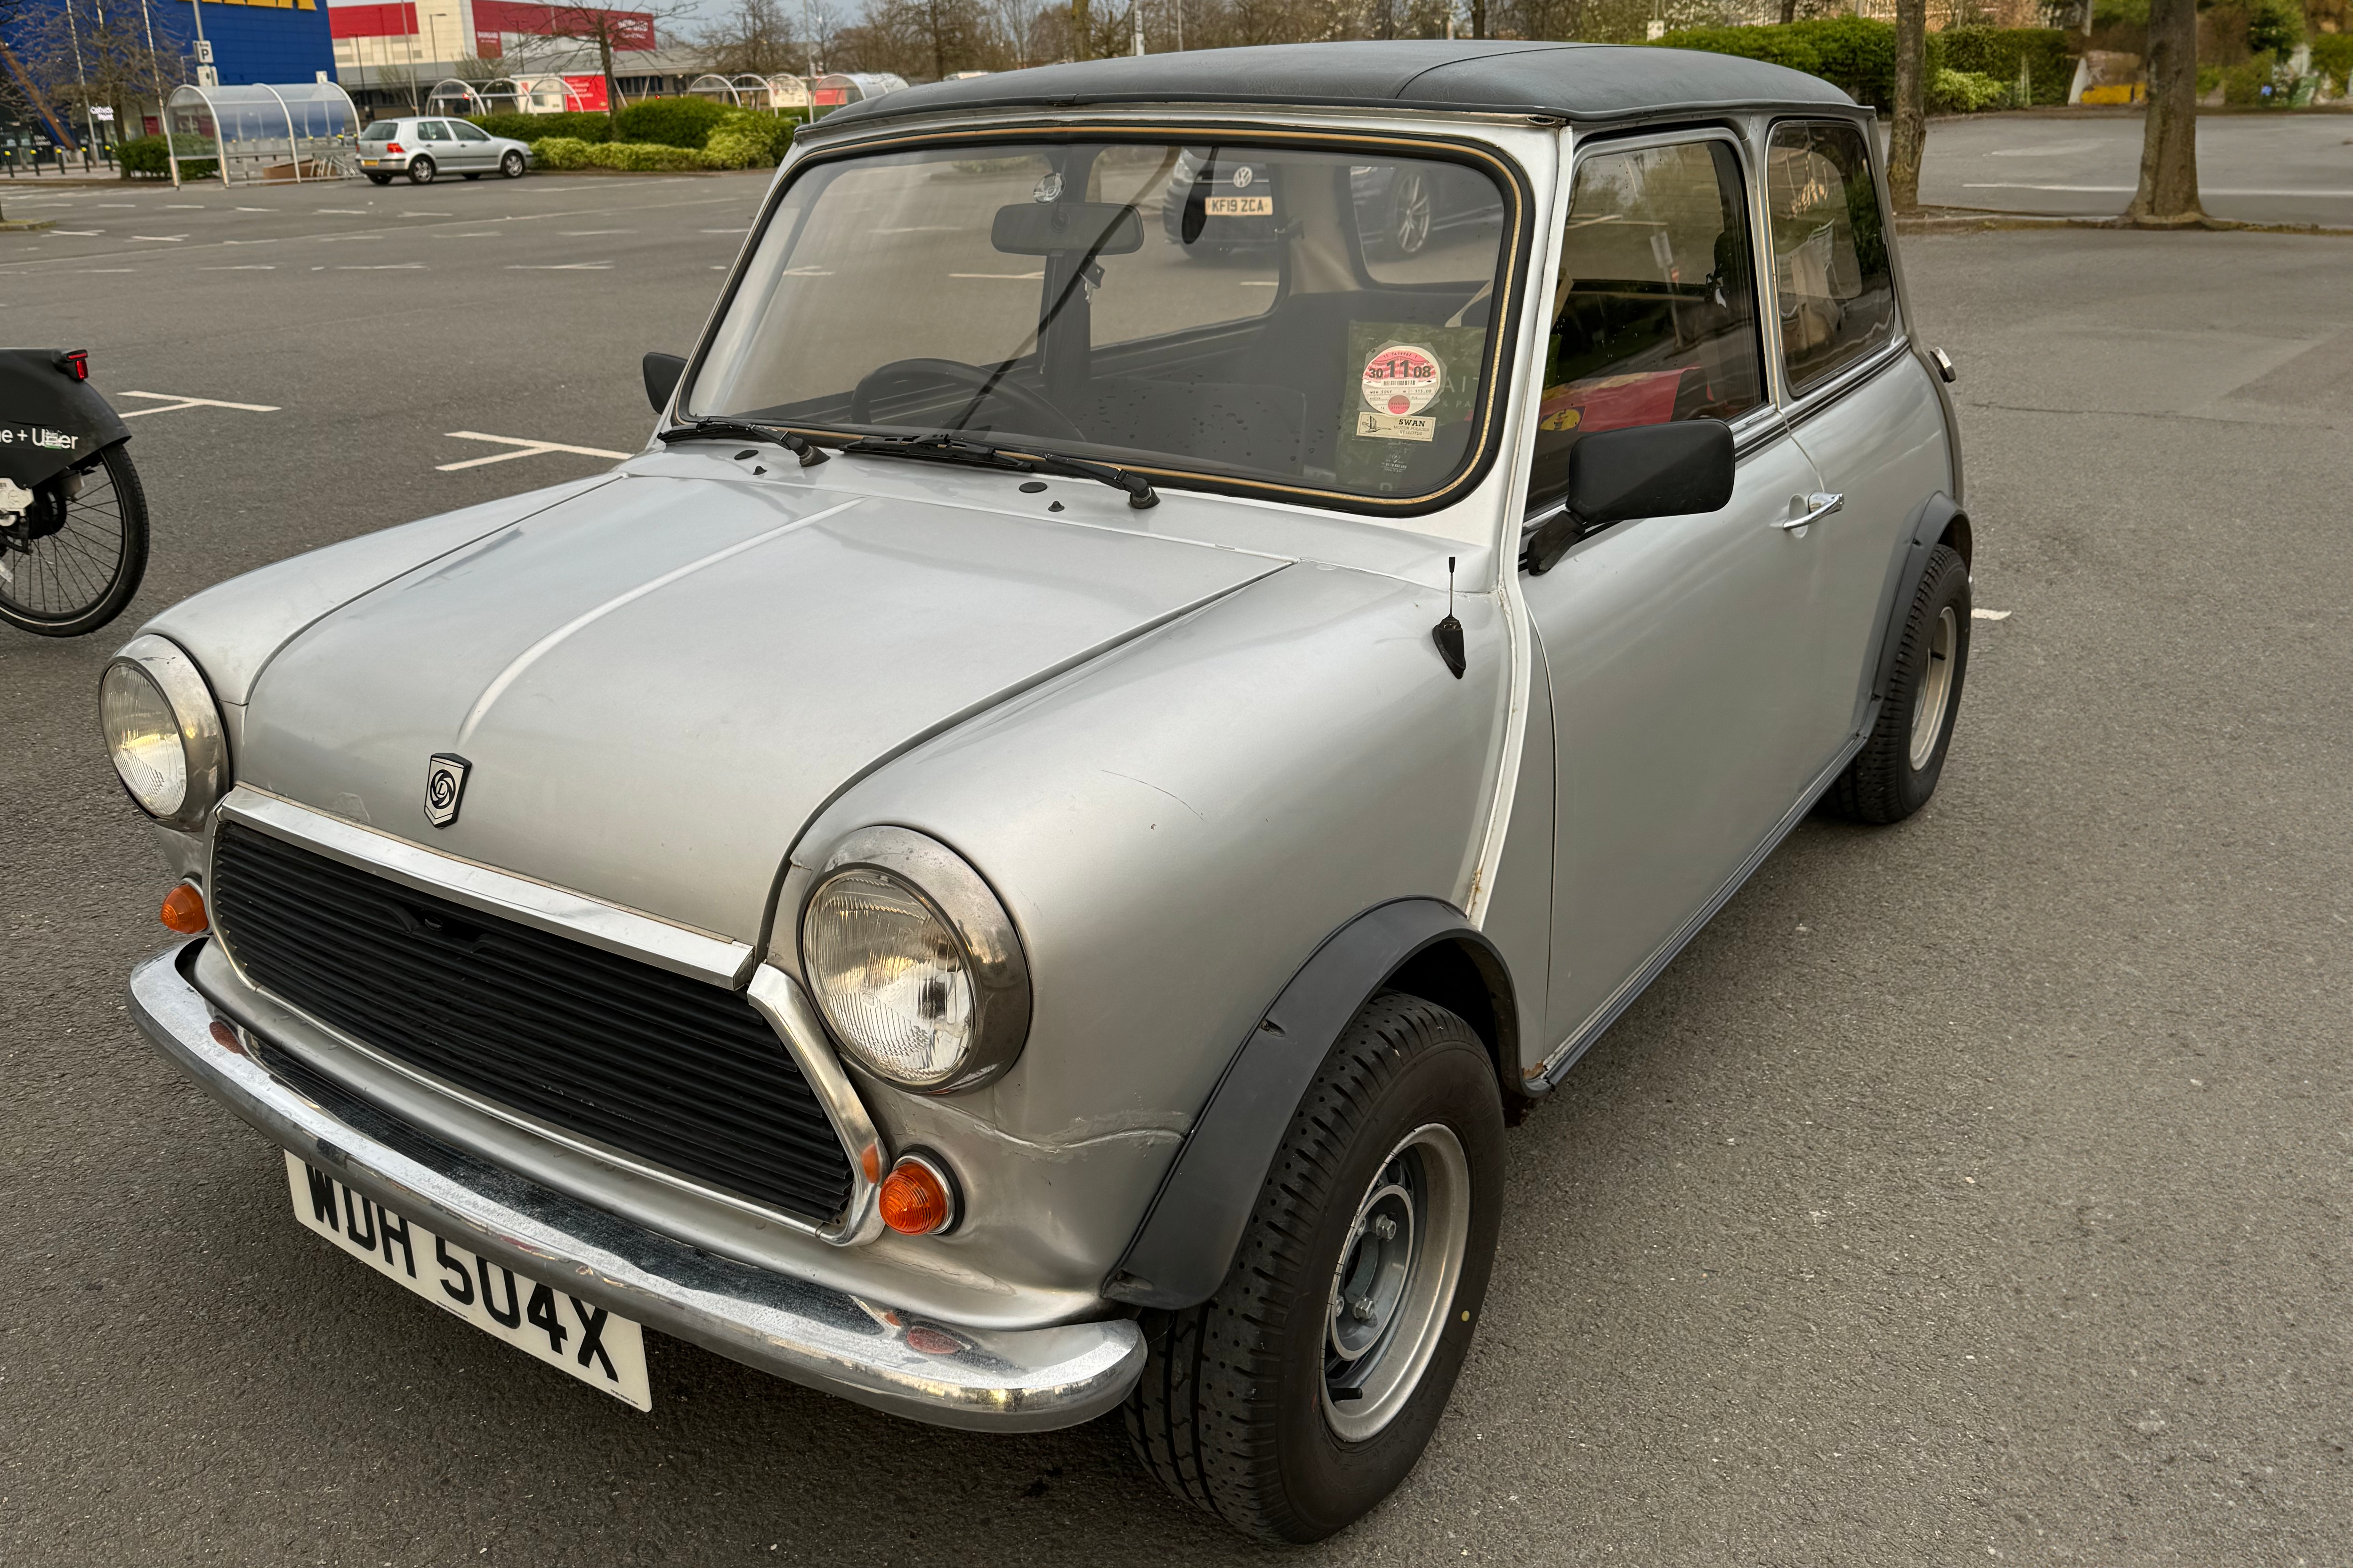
{"points": [[1300, 1395], [1897, 769], [421, 171], [511, 166]]}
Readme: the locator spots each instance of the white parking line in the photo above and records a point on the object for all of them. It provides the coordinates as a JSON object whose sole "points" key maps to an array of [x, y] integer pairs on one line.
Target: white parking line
{"points": [[173, 403], [1001, 276], [162, 239], [524, 449], [1992, 614], [249, 267], [386, 267], [561, 267], [590, 233]]}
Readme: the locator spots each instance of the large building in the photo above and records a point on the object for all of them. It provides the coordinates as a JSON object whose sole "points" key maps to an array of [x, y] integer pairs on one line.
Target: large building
{"points": [[388, 49]]}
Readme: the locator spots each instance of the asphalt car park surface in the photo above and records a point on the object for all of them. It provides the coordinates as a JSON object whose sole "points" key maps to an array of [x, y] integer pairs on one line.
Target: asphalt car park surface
{"points": [[2252, 167], [1972, 1190]]}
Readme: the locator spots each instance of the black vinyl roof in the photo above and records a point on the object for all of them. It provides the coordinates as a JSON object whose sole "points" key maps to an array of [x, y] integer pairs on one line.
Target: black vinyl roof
{"points": [[1572, 81]]}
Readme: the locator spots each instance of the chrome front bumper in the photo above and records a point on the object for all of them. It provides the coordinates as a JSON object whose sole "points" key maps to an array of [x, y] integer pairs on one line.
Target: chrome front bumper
{"points": [[1021, 1380]]}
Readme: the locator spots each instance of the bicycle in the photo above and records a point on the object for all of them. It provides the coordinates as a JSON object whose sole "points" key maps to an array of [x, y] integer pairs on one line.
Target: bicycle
{"points": [[73, 516]]}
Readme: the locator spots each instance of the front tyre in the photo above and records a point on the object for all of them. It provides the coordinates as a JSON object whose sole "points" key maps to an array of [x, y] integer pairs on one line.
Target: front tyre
{"points": [[1299, 1396], [1897, 769], [511, 166], [71, 561]]}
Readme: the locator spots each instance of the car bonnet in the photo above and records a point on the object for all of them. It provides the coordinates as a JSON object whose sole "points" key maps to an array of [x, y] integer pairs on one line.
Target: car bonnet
{"points": [[654, 686]]}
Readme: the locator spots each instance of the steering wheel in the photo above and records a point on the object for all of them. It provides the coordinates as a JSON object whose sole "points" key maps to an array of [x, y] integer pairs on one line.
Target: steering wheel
{"points": [[972, 378]]}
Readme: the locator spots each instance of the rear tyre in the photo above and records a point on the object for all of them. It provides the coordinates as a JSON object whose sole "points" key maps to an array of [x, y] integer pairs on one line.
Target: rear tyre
{"points": [[72, 562], [1897, 769], [1299, 1396], [511, 166], [421, 171]]}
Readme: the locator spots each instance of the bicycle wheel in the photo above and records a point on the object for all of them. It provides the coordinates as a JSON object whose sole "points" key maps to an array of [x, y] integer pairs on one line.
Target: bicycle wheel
{"points": [[71, 561]]}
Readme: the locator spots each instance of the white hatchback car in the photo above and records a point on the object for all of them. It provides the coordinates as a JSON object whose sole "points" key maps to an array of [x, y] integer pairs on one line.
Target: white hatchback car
{"points": [[424, 149]]}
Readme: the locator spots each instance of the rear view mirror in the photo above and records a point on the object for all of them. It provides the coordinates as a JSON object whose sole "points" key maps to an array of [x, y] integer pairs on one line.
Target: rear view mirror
{"points": [[662, 374], [1644, 470], [1087, 229]]}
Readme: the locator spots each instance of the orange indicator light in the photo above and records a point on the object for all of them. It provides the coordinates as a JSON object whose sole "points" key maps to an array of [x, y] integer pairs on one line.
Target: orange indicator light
{"points": [[183, 910], [916, 1199]]}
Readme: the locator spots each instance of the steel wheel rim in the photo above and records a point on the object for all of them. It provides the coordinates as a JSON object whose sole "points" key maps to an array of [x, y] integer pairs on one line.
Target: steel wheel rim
{"points": [[1936, 693], [1395, 1284], [1413, 214], [65, 574]]}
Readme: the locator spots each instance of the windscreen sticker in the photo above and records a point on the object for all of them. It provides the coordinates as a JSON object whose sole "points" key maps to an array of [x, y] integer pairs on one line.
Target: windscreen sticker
{"points": [[1405, 422], [1401, 379]]}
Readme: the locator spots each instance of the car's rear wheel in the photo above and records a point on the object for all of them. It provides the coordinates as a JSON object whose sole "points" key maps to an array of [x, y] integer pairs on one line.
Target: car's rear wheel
{"points": [[511, 166], [421, 171], [1897, 769], [1299, 1396]]}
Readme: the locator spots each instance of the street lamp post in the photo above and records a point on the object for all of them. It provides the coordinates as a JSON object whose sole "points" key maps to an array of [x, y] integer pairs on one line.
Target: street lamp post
{"points": [[163, 110]]}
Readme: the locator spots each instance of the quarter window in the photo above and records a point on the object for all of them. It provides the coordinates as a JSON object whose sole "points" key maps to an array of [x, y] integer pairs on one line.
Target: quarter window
{"points": [[467, 132], [1830, 251], [1654, 316]]}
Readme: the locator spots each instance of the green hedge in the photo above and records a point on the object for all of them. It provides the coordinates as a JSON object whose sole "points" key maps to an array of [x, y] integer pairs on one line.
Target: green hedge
{"points": [[1963, 92], [1859, 56], [672, 121], [632, 157], [2332, 54], [534, 128], [145, 157]]}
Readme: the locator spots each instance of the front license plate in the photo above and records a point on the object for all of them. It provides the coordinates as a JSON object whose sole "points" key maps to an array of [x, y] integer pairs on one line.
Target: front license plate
{"points": [[1241, 206], [600, 1349]]}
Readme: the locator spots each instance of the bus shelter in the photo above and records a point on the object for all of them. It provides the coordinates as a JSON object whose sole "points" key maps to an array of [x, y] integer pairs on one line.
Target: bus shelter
{"points": [[787, 93], [836, 88], [263, 133]]}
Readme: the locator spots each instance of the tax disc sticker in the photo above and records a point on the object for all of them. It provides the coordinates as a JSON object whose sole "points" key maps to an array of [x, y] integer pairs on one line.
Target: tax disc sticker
{"points": [[1402, 378]]}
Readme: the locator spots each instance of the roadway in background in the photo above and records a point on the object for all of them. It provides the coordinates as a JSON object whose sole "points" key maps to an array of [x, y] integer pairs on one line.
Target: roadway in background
{"points": [[2254, 168], [1975, 1190]]}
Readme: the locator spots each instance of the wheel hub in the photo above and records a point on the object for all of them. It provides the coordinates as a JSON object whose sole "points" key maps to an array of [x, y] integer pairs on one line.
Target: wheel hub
{"points": [[1395, 1283]]}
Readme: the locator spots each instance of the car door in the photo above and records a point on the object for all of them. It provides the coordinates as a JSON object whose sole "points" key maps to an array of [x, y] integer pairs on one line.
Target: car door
{"points": [[1678, 649], [474, 145], [433, 139], [1857, 400]]}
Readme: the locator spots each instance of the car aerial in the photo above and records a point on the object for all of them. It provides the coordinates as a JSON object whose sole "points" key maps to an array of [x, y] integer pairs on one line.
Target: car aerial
{"points": [[424, 148], [1019, 859]]}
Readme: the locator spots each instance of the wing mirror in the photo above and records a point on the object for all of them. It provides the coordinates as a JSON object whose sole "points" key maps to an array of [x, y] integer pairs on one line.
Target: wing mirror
{"points": [[1646, 471], [662, 374]]}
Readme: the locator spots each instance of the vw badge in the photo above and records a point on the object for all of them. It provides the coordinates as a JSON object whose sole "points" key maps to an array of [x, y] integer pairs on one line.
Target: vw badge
{"points": [[445, 786]]}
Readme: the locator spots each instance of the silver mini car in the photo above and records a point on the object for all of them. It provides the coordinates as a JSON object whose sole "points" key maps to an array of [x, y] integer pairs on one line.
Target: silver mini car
{"points": [[1019, 860], [424, 149]]}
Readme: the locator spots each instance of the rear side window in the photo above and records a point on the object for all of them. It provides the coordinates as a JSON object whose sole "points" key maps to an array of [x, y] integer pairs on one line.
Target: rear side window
{"points": [[381, 130], [432, 130], [1654, 317], [1830, 250]]}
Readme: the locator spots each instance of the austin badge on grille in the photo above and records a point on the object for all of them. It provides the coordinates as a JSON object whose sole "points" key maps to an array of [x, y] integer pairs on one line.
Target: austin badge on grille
{"points": [[445, 784]]}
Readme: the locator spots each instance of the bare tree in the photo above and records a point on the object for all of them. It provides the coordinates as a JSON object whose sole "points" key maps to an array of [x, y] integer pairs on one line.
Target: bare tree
{"points": [[2167, 196], [754, 39], [609, 33], [1909, 137]]}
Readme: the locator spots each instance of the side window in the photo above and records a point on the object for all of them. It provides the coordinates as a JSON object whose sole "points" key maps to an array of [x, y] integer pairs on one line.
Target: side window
{"points": [[432, 130], [1655, 318], [469, 133], [1830, 250]]}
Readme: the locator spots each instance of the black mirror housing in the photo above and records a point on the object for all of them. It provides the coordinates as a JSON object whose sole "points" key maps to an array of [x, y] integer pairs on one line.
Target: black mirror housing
{"points": [[662, 374], [1651, 470], [1085, 228]]}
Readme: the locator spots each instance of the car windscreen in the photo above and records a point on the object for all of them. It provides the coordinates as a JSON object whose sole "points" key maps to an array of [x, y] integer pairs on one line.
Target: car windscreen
{"points": [[381, 130], [1300, 318]]}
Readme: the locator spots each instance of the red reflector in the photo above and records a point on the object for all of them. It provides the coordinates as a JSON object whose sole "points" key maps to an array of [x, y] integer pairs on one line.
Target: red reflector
{"points": [[75, 363]]}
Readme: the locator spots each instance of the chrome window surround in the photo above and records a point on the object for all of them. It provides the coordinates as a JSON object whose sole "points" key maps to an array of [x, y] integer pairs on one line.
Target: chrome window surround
{"points": [[1803, 405], [612, 929], [203, 743], [961, 899]]}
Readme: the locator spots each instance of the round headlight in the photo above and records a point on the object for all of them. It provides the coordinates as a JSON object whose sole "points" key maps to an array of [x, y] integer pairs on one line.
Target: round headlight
{"points": [[915, 962], [162, 732]]}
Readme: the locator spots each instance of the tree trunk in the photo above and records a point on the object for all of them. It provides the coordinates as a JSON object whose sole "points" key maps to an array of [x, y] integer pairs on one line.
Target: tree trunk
{"points": [[1789, 11], [612, 88], [1477, 18], [1081, 31], [2167, 197], [1910, 136]]}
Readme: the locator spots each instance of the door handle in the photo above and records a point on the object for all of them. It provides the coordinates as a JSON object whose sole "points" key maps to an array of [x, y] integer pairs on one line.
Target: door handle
{"points": [[1812, 509]]}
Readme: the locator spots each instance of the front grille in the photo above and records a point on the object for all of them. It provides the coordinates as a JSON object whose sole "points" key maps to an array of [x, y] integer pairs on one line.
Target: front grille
{"points": [[672, 1071]]}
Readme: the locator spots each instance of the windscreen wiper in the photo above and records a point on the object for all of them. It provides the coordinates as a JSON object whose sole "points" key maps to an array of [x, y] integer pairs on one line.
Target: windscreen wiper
{"points": [[947, 449], [792, 441]]}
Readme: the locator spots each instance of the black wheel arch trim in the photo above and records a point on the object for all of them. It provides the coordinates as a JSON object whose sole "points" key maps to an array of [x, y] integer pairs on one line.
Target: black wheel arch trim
{"points": [[1186, 1243], [1938, 520]]}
